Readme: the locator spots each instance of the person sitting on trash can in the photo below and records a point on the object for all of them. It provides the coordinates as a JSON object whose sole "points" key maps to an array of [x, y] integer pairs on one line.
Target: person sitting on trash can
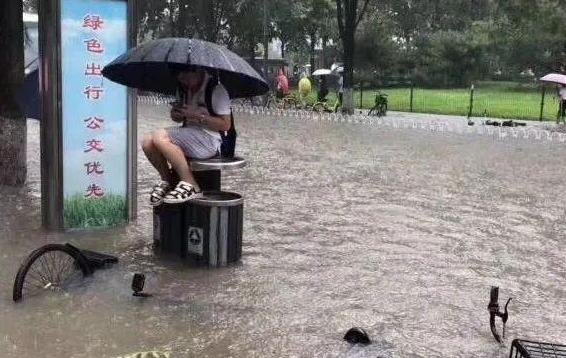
{"points": [[197, 138]]}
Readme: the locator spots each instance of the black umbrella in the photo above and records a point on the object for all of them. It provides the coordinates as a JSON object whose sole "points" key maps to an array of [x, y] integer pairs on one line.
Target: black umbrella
{"points": [[149, 67]]}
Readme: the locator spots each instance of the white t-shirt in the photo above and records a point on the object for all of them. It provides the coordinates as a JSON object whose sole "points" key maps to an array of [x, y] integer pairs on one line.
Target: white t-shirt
{"points": [[220, 103], [562, 93]]}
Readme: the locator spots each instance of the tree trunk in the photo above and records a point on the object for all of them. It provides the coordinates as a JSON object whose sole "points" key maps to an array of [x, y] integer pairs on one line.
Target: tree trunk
{"points": [[282, 49], [13, 150], [348, 101], [208, 21], [265, 41], [265, 56], [348, 105], [251, 48], [324, 59], [313, 44], [12, 121], [348, 44]]}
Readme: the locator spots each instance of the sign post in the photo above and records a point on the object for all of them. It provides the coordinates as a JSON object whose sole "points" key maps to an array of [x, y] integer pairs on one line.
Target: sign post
{"points": [[88, 137]]}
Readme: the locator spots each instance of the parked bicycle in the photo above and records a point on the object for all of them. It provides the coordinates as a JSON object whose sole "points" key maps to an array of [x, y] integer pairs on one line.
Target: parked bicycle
{"points": [[380, 105], [324, 106]]}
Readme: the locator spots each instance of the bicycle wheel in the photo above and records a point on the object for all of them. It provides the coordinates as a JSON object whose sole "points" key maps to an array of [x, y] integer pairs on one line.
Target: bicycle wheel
{"points": [[52, 267], [337, 106], [319, 107], [288, 103]]}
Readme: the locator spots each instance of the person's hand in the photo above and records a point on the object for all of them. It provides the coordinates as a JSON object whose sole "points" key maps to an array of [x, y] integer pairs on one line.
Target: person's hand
{"points": [[191, 114], [176, 115]]}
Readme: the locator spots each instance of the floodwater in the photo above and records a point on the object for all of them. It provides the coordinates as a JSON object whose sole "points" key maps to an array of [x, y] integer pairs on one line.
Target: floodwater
{"points": [[399, 231]]}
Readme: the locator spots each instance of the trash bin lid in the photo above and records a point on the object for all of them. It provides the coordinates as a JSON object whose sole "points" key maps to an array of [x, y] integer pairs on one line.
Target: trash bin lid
{"points": [[220, 163], [219, 198]]}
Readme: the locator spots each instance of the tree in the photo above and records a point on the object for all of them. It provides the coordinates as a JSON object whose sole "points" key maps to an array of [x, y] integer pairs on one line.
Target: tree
{"points": [[349, 15], [534, 33], [376, 51], [317, 26], [246, 27], [12, 121], [204, 19], [452, 59], [288, 21]]}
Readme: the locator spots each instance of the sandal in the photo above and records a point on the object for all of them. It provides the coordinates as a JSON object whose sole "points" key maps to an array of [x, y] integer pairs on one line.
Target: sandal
{"points": [[158, 193], [183, 192]]}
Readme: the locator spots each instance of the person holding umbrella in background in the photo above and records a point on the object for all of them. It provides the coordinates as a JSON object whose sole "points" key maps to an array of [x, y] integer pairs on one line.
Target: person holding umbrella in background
{"points": [[562, 99], [559, 79]]}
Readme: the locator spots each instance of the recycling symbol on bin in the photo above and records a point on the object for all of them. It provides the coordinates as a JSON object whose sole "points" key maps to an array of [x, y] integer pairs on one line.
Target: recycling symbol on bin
{"points": [[194, 236]]}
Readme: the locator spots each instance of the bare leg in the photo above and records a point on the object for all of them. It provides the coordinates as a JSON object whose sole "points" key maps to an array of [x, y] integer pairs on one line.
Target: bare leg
{"points": [[156, 158], [174, 155]]}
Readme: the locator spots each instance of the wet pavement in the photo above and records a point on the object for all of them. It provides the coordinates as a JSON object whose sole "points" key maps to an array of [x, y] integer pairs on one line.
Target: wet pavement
{"points": [[398, 230]]}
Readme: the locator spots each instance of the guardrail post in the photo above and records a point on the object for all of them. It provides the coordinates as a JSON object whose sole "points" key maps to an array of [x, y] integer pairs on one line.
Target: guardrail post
{"points": [[411, 98], [361, 94], [542, 103], [471, 101]]}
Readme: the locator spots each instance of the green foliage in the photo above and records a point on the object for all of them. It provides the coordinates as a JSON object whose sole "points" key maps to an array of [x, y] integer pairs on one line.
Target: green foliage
{"points": [[451, 58], [81, 212], [535, 34], [376, 52]]}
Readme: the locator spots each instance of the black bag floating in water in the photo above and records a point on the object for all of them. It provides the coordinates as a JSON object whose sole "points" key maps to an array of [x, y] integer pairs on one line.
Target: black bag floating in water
{"points": [[357, 335], [138, 281]]}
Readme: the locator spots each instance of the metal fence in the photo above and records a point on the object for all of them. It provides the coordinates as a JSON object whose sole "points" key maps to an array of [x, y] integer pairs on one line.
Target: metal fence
{"points": [[511, 100]]}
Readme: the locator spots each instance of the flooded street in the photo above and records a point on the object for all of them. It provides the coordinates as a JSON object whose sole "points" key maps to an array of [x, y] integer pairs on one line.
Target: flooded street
{"points": [[399, 231]]}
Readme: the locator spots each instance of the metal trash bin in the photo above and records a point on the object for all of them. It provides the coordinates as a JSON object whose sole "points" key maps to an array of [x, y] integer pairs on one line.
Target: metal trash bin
{"points": [[205, 231], [213, 228], [168, 228]]}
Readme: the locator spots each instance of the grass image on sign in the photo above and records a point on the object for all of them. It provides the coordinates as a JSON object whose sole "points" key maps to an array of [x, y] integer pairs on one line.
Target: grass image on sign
{"points": [[195, 238]]}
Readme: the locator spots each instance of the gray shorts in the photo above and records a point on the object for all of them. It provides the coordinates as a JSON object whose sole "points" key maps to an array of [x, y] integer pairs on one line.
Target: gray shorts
{"points": [[194, 142]]}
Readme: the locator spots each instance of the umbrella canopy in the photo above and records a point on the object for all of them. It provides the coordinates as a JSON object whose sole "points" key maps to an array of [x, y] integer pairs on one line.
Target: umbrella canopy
{"points": [[554, 78], [322, 72], [149, 67]]}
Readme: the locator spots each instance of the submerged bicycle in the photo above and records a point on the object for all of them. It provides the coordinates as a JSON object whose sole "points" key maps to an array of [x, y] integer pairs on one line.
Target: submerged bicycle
{"points": [[56, 267]]}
